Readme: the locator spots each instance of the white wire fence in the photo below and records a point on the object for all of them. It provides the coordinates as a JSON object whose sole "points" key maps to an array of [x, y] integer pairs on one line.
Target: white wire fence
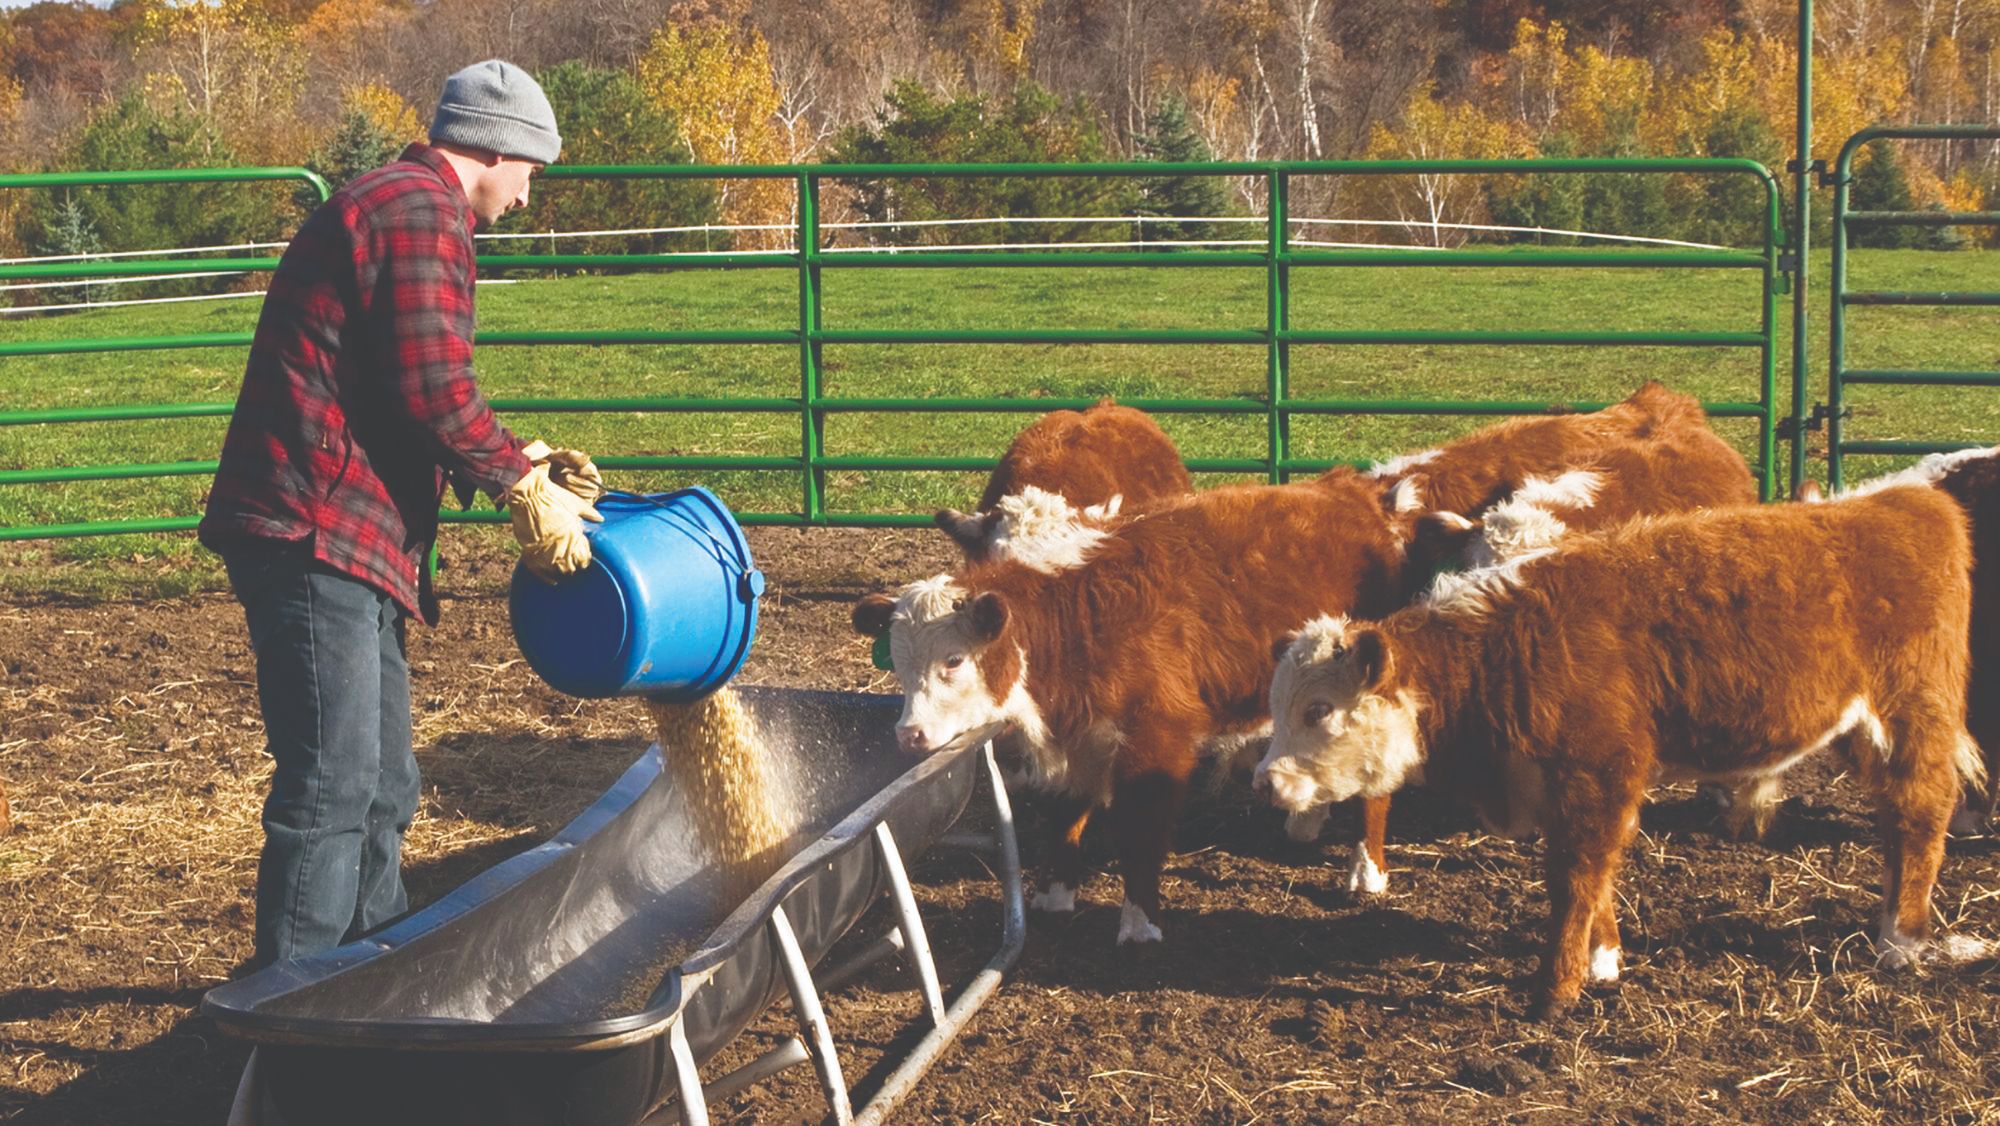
{"points": [[1136, 222]]}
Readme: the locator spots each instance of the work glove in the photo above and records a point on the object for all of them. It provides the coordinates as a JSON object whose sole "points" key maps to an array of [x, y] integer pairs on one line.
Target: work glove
{"points": [[570, 469], [548, 520]]}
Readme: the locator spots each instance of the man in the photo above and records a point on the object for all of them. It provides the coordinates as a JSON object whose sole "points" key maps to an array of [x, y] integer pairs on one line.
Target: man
{"points": [[358, 405]]}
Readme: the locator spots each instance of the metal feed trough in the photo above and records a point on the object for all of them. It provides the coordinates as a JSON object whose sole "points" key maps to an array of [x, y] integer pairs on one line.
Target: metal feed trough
{"points": [[587, 980]]}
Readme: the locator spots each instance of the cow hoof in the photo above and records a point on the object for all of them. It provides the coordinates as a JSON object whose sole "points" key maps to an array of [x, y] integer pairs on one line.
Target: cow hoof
{"points": [[1133, 926], [1967, 823], [1363, 877], [1897, 951], [1305, 825], [1604, 965], [1059, 898], [1547, 1008]]}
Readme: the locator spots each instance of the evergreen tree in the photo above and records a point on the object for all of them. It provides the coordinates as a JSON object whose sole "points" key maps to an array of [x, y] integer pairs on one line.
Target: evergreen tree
{"points": [[1881, 183], [132, 135], [917, 126], [72, 234], [1171, 138], [1727, 209], [1553, 200], [606, 118], [358, 144]]}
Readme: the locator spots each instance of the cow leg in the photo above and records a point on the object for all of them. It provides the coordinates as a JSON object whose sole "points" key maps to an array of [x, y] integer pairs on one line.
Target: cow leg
{"points": [[1369, 873], [1304, 825], [1982, 719], [1143, 809], [1916, 793], [1586, 843], [1068, 815], [1606, 951], [1752, 806]]}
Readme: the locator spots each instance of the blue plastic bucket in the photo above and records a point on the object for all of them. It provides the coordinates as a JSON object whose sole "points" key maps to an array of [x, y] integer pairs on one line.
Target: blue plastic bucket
{"points": [[667, 607]]}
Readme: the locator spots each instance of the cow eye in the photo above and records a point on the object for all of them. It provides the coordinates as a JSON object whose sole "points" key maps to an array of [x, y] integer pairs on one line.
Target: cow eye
{"points": [[954, 661], [1316, 714]]}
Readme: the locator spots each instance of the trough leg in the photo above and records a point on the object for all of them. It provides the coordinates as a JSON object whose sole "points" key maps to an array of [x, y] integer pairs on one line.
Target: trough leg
{"points": [[812, 1018], [694, 1104], [1068, 817], [1142, 813]]}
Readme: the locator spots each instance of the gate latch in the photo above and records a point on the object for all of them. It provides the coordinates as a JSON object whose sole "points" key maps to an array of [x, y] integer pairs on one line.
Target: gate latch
{"points": [[1788, 430]]}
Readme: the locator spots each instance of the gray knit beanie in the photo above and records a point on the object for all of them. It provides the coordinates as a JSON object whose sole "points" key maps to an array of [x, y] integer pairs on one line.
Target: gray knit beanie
{"points": [[496, 106]]}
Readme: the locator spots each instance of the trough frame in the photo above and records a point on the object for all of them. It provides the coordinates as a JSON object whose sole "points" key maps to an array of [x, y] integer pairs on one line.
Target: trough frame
{"points": [[662, 1030], [816, 1042]]}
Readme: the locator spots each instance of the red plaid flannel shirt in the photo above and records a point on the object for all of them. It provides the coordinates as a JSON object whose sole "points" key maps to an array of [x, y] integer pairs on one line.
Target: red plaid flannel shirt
{"points": [[358, 402]]}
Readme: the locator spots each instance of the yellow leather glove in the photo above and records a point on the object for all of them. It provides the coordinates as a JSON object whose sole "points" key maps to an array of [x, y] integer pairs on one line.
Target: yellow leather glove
{"points": [[548, 521], [571, 469]]}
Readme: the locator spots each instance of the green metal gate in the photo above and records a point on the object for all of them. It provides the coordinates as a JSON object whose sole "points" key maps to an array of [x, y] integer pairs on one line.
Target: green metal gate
{"points": [[1845, 219], [1275, 336]]}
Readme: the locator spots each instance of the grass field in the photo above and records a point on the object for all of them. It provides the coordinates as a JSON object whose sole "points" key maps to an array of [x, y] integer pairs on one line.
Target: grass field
{"points": [[1373, 298]]}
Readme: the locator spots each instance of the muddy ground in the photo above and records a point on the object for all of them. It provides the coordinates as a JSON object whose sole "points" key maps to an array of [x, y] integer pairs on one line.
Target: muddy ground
{"points": [[130, 746]]}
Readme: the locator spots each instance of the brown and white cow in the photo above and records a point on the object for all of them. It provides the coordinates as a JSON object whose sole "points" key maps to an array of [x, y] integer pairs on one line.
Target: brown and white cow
{"points": [[1470, 474], [1656, 456], [1090, 468], [1552, 691], [1113, 673], [1972, 478]]}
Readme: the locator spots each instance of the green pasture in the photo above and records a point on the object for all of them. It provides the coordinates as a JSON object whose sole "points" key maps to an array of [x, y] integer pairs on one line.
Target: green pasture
{"points": [[1107, 298]]}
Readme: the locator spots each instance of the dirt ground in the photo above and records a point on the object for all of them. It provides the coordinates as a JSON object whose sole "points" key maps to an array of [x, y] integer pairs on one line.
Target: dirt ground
{"points": [[131, 749]]}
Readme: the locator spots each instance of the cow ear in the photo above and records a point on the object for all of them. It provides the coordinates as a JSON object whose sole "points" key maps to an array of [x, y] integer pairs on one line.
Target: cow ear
{"points": [[1808, 492], [872, 613], [1439, 539], [967, 530], [1283, 645], [988, 615], [1370, 652]]}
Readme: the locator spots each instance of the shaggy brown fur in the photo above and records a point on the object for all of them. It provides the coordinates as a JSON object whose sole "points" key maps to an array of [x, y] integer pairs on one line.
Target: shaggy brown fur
{"points": [[1162, 640], [1086, 458], [1711, 645], [1654, 454], [1468, 475], [1974, 483]]}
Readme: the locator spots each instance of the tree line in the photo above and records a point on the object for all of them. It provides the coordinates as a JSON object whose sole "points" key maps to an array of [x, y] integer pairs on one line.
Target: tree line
{"points": [[341, 85]]}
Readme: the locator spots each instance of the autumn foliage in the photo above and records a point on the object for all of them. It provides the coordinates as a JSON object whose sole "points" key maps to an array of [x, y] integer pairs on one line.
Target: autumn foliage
{"points": [[338, 83]]}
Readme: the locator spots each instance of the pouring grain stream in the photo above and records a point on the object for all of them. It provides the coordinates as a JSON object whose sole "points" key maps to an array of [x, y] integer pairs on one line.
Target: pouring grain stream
{"points": [[712, 750]]}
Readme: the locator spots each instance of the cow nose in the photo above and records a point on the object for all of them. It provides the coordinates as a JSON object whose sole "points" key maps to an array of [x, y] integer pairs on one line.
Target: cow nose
{"points": [[913, 739]]}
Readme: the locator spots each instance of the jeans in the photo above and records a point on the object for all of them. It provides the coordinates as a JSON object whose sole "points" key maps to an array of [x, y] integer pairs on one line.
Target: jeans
{"points": [[334, 686]]}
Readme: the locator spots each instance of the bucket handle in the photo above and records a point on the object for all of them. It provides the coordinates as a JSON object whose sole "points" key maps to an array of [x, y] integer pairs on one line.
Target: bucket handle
{"points": [[727, 551]]}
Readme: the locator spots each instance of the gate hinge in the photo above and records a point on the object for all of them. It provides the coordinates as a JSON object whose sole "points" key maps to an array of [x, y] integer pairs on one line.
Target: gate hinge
{"points": [[1788, 261], [1789, 431], [1817, 166]]}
